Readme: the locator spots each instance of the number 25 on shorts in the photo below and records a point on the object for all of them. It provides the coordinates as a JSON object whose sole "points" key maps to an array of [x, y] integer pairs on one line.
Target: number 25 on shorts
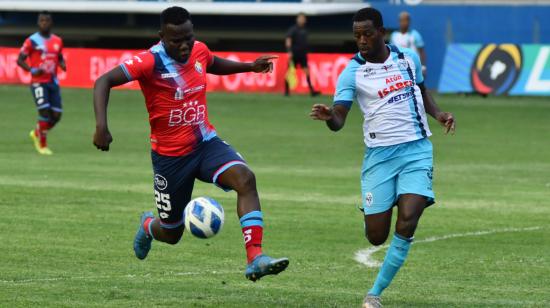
{"points": [[162, 201]]}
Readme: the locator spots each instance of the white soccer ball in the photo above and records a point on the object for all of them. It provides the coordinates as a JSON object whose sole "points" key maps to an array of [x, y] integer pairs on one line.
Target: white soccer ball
{"points": [[203, 217]]}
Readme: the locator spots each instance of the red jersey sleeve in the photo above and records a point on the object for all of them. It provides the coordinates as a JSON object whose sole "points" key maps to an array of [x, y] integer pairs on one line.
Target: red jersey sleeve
{"points": [[210, 56], [207, 54], [139, 66], [27, 47]]}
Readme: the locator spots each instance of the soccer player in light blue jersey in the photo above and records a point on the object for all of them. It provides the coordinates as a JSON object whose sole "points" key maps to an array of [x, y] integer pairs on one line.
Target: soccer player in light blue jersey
{"points": [[387, 83], [406, 37]]}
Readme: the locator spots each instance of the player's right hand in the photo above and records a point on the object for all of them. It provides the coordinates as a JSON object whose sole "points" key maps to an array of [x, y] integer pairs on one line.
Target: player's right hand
{"points": [[35, 71], [102, 139], [321, 112]]}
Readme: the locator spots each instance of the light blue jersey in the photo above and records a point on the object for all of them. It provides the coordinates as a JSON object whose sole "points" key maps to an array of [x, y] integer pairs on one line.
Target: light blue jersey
{"points": [[398, 159], [388, 95], [410, 39]]}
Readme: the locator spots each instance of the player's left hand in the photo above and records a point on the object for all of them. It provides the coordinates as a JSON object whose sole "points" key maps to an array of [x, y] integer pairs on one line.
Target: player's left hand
{"points": [[263, 64], [102, 139], [447, 119]]}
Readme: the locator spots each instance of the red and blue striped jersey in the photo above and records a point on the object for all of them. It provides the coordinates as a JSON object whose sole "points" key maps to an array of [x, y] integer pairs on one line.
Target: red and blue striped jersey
{"points": [[175, 96], [43, 52]]}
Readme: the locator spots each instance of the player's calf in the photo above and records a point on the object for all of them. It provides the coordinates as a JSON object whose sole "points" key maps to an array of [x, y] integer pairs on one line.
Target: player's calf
{"points": [[168, 236], [39, 134], [165, 235]]}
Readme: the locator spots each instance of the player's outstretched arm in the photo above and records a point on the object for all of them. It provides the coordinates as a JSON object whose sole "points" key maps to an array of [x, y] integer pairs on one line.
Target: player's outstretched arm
{"points": [[444, 118], [221, 66], [102, 89], [335, 117]]}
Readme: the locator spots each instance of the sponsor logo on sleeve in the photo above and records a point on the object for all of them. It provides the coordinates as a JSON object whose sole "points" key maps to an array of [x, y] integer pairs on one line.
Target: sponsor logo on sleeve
{"points": [[131, 61], [198, 67]]}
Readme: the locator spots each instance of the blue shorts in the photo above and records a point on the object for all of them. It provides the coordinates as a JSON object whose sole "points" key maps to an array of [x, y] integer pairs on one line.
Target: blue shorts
{"points": [[174, 176], [390, 171], [47, 96]]}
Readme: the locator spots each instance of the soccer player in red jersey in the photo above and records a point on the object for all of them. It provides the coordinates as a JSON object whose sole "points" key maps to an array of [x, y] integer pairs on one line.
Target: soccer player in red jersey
{"points": [[43, 49], [185, 146]]}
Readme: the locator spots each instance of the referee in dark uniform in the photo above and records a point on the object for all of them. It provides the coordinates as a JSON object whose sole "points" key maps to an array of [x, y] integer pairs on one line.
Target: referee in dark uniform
{"points": [[296, 45]]}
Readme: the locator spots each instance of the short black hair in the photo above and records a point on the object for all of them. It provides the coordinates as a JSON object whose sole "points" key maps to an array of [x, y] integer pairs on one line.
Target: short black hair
{"points": [[371, 14], [45, 13], [174, 15]]}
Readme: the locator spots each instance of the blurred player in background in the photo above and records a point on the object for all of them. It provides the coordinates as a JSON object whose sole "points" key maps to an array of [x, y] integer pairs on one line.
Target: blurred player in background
{"points": [[397, 170], [296, 46], [406, 37], [185, 146], [43, 49]]}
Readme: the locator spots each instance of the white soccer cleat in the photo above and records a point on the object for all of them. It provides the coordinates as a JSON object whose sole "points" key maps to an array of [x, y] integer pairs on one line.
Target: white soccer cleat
{"points": [[372, 301]]}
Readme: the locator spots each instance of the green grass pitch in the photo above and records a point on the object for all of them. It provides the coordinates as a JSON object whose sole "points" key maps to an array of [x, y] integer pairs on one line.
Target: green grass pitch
{"points": [[68, 220]]}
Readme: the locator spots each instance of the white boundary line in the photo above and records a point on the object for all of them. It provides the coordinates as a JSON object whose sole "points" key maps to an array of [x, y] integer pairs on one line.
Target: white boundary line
{"points": [[364, 256]]}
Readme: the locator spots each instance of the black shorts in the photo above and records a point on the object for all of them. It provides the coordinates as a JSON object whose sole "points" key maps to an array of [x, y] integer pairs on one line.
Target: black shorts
{"points": [[299, 59], [47, 96], [174, 176]]}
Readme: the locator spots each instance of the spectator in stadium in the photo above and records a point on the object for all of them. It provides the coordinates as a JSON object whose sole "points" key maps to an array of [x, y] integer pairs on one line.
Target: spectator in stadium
{"points": [[296, 45], [409, 38]]}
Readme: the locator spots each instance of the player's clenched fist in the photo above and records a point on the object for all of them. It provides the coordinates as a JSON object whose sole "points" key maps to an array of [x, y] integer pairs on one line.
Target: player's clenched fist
{"points": [[321, 112], [263, 64], [102, 139]]}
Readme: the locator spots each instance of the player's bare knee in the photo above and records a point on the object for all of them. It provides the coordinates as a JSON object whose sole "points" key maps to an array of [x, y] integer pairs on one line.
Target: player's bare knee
{"points": [[377, 241], [44, 113], [406, 227], [246, 181], [376, 238], [55, 117]]}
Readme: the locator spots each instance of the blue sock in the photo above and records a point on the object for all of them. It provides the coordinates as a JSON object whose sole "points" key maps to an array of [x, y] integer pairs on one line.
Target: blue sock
{"points": [[395, 257]]}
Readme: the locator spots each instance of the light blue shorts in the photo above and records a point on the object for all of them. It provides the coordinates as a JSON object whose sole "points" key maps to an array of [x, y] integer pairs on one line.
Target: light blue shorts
{"points": [[391, 171]]}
